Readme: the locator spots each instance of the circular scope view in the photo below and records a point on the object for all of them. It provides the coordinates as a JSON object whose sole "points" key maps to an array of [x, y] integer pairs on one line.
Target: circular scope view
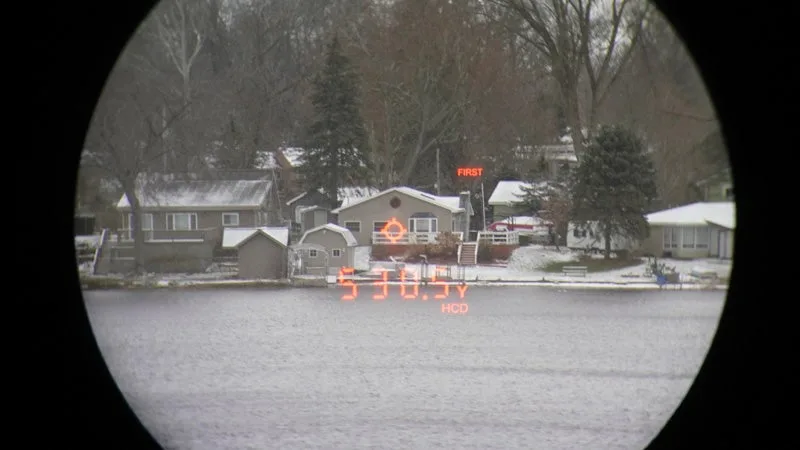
{"points": [[423, 224]]}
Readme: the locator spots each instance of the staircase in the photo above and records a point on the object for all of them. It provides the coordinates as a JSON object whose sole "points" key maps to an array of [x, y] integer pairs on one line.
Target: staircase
{"points": [[468, 254]]}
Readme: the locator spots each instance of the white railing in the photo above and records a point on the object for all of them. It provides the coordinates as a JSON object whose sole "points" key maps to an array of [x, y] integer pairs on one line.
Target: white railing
{"points": [[499, 237], [409, 238], [100, 243], [199, 235]]}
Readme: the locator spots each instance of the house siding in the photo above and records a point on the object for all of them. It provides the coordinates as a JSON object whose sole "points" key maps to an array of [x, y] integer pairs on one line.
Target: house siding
{"points": [[654, 244], [377, 209], [262, 258], [330, 240], [211, 220]]}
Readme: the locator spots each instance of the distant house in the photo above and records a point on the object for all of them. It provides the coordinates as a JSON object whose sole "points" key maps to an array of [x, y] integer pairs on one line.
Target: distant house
{"points": [[313, 208], [419, 216], [262, 252], [289, 159], [197, 209], [716, 188], [698, 230], [507, 199], [554, 160], [587, 236], [336, 248]]}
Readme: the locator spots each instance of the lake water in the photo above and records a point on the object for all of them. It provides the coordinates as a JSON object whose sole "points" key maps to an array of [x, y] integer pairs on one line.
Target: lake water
{"points": [[526, 367]]}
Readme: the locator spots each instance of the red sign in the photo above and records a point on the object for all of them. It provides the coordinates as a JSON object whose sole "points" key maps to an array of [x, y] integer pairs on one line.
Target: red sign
{"points": [[469, 171]]}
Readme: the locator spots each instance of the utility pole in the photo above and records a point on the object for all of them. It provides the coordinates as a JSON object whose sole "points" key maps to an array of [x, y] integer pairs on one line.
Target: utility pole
{"points": [[483, 206], [438, 177]]}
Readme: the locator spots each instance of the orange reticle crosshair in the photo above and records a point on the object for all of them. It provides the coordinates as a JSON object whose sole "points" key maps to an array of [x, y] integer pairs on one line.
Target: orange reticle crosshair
{"points": [[393, 236]]}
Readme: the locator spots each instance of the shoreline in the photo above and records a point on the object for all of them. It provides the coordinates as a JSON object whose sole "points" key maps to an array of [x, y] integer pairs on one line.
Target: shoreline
{"points": [[99, 284]]}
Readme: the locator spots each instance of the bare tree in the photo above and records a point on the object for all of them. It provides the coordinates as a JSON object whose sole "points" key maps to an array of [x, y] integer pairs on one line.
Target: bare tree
{"points": [[579, 38], [126, 136]]}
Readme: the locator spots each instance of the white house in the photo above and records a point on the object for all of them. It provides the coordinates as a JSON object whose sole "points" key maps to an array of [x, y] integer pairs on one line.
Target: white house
{"points": [[697, 230]]}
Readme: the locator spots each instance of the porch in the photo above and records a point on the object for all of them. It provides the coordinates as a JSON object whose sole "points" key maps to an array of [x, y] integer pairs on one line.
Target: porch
{"points": [[125, 235], [409, 237]]}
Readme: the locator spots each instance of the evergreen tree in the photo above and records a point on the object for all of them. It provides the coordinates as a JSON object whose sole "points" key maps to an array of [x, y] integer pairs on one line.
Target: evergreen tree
{"points": [[615, 186], [335, 145]]}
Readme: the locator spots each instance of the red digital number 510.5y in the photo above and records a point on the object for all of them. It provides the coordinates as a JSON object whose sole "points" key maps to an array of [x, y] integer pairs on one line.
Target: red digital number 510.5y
{"points": [[407, 284]]}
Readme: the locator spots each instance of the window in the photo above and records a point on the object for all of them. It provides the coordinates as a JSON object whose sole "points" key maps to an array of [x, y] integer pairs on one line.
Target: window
{"points": [[312, 253], [423, 225], [688, 237], [669, 241], [701, 237], [230, 219], [147, 221], [181, 221], [728, 193], [378, 226], [578, 233], [337, 253], [353, 226]]}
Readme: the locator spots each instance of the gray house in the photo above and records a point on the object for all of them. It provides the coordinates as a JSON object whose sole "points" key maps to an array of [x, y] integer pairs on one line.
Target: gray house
{"points": [[182, 219], [335, 247], [195, 210], [262, 252], [412, 216]]}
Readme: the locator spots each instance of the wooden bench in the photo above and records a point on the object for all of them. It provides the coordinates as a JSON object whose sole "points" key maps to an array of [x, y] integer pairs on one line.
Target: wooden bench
{"points": [[574, 271]]}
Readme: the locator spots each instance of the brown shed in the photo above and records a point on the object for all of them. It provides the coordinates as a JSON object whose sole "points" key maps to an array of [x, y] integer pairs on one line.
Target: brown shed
{"points": [[262, 252]]}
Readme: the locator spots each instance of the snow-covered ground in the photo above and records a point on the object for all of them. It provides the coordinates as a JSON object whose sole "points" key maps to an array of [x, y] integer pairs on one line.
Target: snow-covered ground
{"points": [[525, 265], [90, 241]]}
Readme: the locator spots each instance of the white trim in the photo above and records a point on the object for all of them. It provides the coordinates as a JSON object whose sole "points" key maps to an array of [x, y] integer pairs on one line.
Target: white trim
{"points": [[353, 221], [430, 220], [191, 222], [235, 214], [335, 250], [410, 192], [296, 198]]}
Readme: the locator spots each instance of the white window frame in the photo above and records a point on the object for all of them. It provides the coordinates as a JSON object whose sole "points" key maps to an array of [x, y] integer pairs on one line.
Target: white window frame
{"points": [[312, 253], [433, 224], [378, 229], [672, 237], [337, 253], [702, 231], [143, 227], [691, 234], [230, 214], [192, 221], [144, 216], [353, 221]]}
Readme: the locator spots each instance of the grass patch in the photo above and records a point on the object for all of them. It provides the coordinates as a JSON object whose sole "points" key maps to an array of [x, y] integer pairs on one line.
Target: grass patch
{"points": [[594, 265]]}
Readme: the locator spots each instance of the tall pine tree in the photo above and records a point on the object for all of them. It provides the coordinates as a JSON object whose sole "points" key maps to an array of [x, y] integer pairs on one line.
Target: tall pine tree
{"points": [[335, 145], [615, 186]]}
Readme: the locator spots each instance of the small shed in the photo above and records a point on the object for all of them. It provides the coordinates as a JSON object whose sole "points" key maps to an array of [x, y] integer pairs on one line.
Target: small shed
{"points": [[262, 252], [340, 244]]}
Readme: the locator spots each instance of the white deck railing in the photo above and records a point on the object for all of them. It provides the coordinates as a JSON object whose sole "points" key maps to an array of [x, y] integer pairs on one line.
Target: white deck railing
{"points": [[409, 238], [499, 237], [199, 235]]}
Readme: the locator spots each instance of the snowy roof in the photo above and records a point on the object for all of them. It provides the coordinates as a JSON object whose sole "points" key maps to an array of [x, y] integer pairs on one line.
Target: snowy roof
{"points": [[293, 155], [699, 214], [524, 220], [200, 194], [346, 234], [511, 192], [265, 160], [449, 203], [350, 194], [558, 152], [234, 237]]}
